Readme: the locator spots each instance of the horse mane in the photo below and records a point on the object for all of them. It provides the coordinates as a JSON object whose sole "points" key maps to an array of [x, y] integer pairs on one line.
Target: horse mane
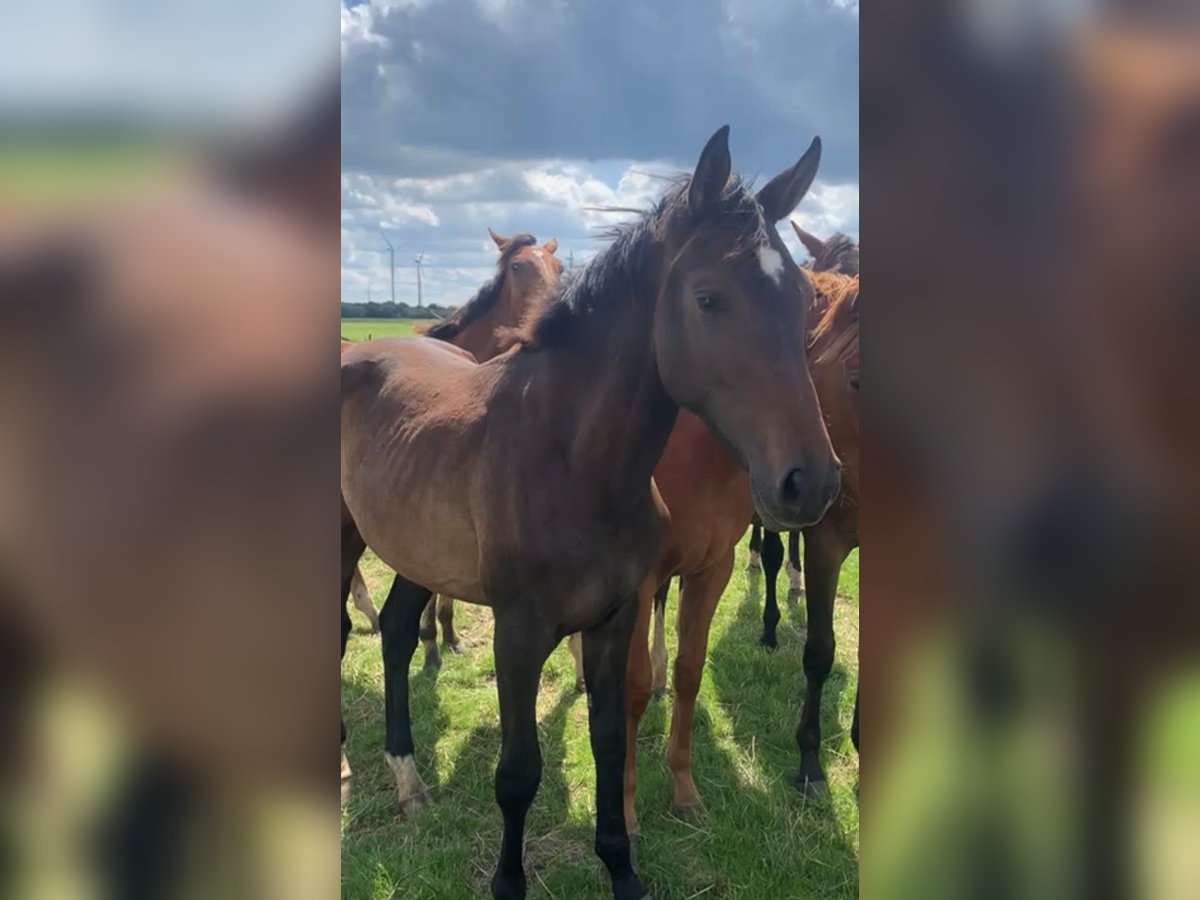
{"points": [[585, 297], [833, 293], [840, 255], [483, 301]]}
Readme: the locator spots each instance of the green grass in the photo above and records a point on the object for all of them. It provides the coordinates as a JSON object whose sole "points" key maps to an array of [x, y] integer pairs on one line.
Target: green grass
{"points": [[34, 169], [757, 837], [365, 329]]}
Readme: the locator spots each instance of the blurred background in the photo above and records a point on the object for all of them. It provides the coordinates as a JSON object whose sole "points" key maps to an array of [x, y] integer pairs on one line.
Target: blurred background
{"points": [[1030, 680], [168, 449]]}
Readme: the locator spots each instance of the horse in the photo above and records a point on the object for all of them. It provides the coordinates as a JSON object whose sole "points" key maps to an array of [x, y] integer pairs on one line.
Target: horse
{"points": [[836, 254], [524, 483], [167, 464], [525, 274], [834, 359]]}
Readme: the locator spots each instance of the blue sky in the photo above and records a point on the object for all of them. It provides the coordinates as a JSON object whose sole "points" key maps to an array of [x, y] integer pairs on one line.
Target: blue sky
{"points": [[458, 115]]}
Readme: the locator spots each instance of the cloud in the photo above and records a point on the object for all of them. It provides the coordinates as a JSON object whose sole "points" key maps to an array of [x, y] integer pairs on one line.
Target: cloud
{"points": [[464, 114]]}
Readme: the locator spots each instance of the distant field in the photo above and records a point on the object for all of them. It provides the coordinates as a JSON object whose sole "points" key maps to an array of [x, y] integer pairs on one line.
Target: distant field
{"points": [[48, 169], [365, 329]]}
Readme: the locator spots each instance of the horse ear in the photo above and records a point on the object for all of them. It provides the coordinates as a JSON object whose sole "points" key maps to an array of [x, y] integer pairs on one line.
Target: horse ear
{"points": [[501, 241], [813, 244], [712, 171], [784, 192], [551, 245]]}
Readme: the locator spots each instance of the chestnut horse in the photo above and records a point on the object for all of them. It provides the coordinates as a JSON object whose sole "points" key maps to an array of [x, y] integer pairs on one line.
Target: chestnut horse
{"points": [[525, 276], [524, 483]]}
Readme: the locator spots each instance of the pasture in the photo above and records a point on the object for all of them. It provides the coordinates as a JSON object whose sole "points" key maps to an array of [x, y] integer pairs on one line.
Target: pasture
{"points": [[756, 838], [365, 329]]}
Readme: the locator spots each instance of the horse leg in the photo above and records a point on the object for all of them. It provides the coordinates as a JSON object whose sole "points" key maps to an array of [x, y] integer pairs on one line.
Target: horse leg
{"points": [[141, 848], [755, 562], [428, 635], [795, 569], [772, 558], [21, 669], [606, 649], [521, 646], [637, 694], [445, 615], [658, 650], [575, 645], [353, 547], [362, 600], [824, 553], [698, 597], [399, 623], [854, 723]]}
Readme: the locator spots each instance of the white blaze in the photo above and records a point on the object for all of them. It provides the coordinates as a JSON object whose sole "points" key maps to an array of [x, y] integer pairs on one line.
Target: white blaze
{"points": [[771, 262]]}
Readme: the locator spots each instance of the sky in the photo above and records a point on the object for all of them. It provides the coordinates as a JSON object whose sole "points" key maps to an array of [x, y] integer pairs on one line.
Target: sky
{"points": [[460, 115]]}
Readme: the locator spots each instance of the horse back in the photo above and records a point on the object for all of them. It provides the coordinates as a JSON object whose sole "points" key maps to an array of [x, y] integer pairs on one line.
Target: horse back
{"points": [[413, 419]]}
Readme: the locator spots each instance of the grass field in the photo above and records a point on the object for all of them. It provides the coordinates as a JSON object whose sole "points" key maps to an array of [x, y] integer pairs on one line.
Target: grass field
{"points": [[365, 329], [757, 837]]}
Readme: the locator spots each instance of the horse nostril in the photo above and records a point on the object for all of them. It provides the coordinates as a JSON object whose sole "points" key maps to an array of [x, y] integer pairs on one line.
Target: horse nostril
{"points": [[1077, 541], [792, 490]]}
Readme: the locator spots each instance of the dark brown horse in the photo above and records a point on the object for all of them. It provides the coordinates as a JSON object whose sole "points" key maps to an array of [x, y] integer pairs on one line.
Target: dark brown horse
{"points": [[525, 277], [524, 484]]}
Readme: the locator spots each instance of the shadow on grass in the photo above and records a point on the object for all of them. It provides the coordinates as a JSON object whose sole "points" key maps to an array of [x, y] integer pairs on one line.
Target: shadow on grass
{"points": [[819, 852], [373, 794]]}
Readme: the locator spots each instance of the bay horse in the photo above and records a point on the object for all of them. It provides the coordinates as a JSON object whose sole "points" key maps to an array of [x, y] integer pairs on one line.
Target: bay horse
{"points": [[167, 463], [524, 483], [525, 275], [708, 493]]}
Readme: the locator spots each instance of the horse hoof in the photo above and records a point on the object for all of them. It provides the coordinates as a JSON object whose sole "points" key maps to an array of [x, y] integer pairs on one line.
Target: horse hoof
{"points": [[659, 692], [754, 564], [432, 664], [795, 580], [768, 641], [347, 780], [411, 806], [454, 647], [689, 813], [629, 889], [580, 686], [813, 788], [504, 888]]}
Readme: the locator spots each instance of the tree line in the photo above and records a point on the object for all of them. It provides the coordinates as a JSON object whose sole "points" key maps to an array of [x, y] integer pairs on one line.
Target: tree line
{"points": [[390, 310]]}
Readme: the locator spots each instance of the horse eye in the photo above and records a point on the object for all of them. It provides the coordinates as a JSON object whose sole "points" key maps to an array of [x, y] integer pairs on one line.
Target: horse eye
{"points": [[853, 382], [706, 302]]}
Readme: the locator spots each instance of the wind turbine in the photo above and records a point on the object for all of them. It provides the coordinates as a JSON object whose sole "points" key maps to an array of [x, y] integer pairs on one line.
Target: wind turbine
{"points": [[392, 258], [417, 260]]}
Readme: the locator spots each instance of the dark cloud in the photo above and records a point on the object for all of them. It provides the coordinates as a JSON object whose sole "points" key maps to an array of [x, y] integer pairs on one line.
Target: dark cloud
{"points": [[453, 85]]}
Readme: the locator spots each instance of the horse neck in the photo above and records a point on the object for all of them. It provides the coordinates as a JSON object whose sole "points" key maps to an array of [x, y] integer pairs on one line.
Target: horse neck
{"points": [[617, 415], [479, 337]]}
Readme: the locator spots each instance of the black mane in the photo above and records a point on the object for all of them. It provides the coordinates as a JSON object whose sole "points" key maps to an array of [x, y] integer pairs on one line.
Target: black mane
{"points": [[587, 296], [840, 255], [485, 299]]}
